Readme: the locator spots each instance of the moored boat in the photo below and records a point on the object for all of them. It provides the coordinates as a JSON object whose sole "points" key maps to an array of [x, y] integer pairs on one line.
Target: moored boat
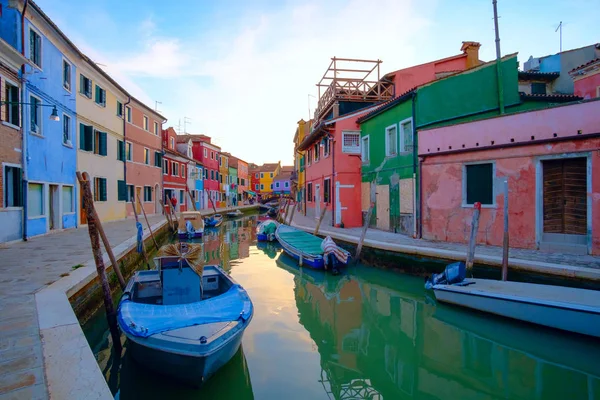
{"points": [[213, 221], [565, 308], [182, 319], [265, 231], [234, 214], [310, 250], [191, 224]]}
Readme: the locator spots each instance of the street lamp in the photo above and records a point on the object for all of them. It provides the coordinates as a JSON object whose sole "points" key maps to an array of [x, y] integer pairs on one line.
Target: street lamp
{"points": [[53, 117]]}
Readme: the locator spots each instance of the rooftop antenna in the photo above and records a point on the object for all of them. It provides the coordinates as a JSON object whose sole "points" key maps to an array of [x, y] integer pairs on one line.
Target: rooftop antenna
{"points": [[498, 59], [559, 28], [309, 96], [179, 126], [156, 103], [185, 122]]}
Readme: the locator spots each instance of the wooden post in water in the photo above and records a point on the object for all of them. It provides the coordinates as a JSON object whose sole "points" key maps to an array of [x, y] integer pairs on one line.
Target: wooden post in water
{"points": [[167, 215], [147, 222], [136, 222], [505, 241], [363, 234], [93, 227], [211, 201], [187, 189], [287, 209], [293, 212], [320, 220], [171, 210], [473, 238]]}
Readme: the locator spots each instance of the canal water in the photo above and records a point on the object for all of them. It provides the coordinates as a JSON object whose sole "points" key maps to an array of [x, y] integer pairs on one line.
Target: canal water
{"points": [[367, 334]]}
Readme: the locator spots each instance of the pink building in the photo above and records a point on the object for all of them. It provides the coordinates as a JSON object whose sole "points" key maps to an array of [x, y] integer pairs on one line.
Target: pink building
{"points": [[549, 158], [586, 79]]}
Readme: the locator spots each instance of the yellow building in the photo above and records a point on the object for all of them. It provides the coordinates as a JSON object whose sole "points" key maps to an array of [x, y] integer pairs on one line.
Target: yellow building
{"points": [[100, 124], [223, 180], [267, 173], [299, 167]]}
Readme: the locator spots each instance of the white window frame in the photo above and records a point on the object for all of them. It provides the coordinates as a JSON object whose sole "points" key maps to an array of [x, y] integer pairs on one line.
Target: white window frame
{"points": [[72, 199], [364, 155], [205, 153], [464, 203], [103, 104], [120, 109], [155, 128], [128, 115], [182, 171], [165, 163], [317, 152], [69, 142], [18, 100], [351, 149], [401, 143], [70, 83], [129, 156], [277, 185], [388, 150], [151, 190], [4, 165], [40, 132], [146, 123], [146, 156], [173, 165], [32, 28], [44, 195]]}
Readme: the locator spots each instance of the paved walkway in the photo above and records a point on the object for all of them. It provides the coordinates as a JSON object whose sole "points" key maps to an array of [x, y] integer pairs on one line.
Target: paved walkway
{"points": [[482, 252], [25, 268]]}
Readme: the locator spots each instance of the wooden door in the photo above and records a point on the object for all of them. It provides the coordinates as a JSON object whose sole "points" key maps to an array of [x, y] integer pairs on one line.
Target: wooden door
{"points": [[565, 196], [383, 207], [82, 214]]}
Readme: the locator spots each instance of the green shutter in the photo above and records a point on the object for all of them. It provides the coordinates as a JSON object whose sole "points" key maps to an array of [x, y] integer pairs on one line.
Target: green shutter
{"points": [[82, 136], [102, 143], [102, 189], [96, 95], [480, 183], [121, 191], [120, 150], [89, 138]]}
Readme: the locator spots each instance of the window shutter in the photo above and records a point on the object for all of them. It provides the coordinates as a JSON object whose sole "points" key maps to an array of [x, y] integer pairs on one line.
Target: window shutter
{"points": [[121, 190], [81, 84], [102, 141], [82, 137], [14, 108], [89, 138], [103, 93], [120, 150]]}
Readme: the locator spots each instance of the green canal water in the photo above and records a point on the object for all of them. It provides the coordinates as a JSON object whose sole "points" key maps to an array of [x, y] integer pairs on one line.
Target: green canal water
{"points": [[367, 334]]}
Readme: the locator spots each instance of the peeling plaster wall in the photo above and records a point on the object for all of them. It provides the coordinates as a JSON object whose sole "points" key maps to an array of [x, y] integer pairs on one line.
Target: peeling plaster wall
{"points": [[445, 219]]}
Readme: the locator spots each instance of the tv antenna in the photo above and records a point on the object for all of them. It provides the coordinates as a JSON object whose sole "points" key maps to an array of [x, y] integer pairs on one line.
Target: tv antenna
{"points": [[185, 122], [559, 28]]}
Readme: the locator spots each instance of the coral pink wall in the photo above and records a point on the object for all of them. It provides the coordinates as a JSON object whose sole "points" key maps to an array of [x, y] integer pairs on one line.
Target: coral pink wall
{"points": [[445, 219], [408, 78], [588, 86], [544, 124]]}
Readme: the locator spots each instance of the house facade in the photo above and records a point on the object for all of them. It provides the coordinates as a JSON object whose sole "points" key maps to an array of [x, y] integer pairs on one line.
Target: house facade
{"points": [[175, 175], [299, 175], [282, 183], [586, 79], [11, 145], [198, 176], [141, 152], [232, 199], [267, 173], [536, 152], [223, 180], [243, 178], [254, 173]]}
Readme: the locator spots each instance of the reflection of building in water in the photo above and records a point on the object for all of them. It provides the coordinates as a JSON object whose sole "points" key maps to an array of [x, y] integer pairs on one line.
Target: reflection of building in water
{"points": [[382, 342], [244, 239]]}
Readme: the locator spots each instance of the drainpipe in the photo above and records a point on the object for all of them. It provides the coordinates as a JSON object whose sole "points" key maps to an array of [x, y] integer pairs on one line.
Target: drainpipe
{"points": [[332, 199], [125, 152], [162, 175], [416, 188], [25, 183], [498, 60]]}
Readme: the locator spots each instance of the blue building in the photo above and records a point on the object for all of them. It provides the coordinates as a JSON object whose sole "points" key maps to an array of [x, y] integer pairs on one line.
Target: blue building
{"points": [[199, 181], [48, 118]]}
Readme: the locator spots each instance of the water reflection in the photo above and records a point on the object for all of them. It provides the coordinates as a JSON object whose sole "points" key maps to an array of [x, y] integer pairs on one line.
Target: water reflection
{"points": [[367, 334]]}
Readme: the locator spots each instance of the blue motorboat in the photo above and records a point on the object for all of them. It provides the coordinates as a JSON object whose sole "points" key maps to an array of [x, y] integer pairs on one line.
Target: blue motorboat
{"points": [[191, 225], [265, 231], [181, 323], [214, 221]]}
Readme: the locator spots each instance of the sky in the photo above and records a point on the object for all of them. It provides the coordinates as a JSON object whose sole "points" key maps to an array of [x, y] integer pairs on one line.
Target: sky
{"points": [[241, 71]]}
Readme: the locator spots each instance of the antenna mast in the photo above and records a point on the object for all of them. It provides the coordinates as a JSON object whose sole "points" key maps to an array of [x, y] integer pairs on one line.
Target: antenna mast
{"points": [[559, 28]]}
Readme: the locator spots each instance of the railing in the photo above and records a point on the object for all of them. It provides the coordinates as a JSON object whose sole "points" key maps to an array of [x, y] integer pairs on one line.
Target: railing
{"points": [[354, 90]]}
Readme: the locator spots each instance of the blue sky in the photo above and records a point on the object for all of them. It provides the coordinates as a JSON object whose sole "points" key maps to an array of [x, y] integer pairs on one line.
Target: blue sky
{"points": [[243, 70]]}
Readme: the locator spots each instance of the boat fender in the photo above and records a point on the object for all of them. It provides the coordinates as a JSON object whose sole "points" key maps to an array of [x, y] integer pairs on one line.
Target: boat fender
{"points": [[203, 340]]}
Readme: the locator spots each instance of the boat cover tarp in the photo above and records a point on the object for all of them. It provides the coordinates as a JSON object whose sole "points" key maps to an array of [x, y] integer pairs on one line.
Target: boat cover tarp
{"points": [[268, 227], [329, 247], [300, 240], [145, 320]]}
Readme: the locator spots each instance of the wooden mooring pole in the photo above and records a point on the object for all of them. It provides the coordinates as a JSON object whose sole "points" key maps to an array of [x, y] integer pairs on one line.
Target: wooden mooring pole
{"points": [[320, 220], [187, 189], [363, 234], [147, 222], [143, 246], [505, 241], [473, 238], [93, 228], [293, 212], [167, 215]]}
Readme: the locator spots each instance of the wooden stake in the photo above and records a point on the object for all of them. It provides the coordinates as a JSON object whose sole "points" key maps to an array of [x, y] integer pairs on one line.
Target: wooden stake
{"points": [[287, 209], [187, 189], [211, 201], [172, 210], [473, 238], [143, 247], [293, 212], [93, 224], [167, 215], [320, 220], [147, 222], [505, 241], [364, 233]]}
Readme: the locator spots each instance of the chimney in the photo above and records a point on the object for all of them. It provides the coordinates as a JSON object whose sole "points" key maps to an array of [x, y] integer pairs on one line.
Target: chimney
{"points": [[471, 49]]}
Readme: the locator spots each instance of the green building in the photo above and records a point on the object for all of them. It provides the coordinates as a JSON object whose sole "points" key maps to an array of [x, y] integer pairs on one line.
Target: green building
{"points": [[233, 183], [389, 134]]}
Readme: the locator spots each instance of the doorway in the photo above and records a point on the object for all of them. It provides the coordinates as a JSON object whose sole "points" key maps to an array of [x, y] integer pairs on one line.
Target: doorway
{"points": [[317, 201], [565, 213], [383, 207], [54, 219]]}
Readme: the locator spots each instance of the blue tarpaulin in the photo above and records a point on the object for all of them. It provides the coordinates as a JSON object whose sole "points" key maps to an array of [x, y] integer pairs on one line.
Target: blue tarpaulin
{"points": [[145, 320]]}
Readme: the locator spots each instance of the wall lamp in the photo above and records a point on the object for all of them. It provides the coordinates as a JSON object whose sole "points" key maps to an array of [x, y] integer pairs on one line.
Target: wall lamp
{"points": [[53, 116]]}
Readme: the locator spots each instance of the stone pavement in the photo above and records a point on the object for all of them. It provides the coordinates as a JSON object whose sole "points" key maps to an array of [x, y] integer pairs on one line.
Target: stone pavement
{"points": [[482, 252], [25, 268]]}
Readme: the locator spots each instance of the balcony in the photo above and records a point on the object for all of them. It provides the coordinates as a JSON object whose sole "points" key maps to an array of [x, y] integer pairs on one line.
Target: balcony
{"points": [[351, 80]]}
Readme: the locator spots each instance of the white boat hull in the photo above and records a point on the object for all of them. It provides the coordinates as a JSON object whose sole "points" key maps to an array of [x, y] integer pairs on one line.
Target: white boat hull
{"points": [[574, 310]]}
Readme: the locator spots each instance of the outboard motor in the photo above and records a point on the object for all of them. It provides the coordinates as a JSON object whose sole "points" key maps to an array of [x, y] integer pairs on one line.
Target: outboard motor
{"points": [[332, 261], [189, 228], [454, 273]]}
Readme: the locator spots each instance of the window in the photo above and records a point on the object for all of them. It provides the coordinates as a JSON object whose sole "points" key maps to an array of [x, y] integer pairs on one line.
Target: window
{"points": [[221, 180], [129, 151], [262, 175], [217, 175], [172, 143], [99, 189], [36, 115], [220, 161], [35, 48], [120, 150], [212, 174], [86, 137], [181, 199], [11, 108], [406, 136], [271, 175], [100, 143], [130, 193], [85, 86], [256, 176], [183, 170], [157, 159], [327, 190], [598, 91], [165, 167], [67, 202], [175, 170], [13, 193], [309, 156], [122, 191], [147, 193], [309, 192], [145, 123], [205, 153], [277, 185], [119, 109], [262, 186], [243, 182], [212, 155], [156, 128], [478, 184], [365, 149], [391, 141], [326, 147], [128, 114], [35, 200], [66, 75], [287, 185], [538, 88], [67, 130], [256, 186], [351, 142], [146, 156], [316, 151], [100, 97], [205, 174]]}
